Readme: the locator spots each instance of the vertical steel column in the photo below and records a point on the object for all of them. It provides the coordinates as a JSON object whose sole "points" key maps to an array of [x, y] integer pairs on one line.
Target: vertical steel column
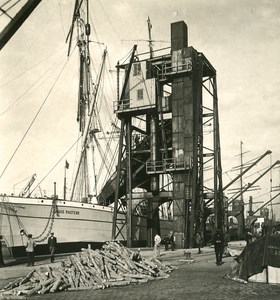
{"points": [[154, 151], [197, 170], [116, 203], [218, 184], [128, 184]]}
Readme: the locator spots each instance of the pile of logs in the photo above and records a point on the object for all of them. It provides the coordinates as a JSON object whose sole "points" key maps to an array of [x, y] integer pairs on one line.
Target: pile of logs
{"points": [[90, 269]]}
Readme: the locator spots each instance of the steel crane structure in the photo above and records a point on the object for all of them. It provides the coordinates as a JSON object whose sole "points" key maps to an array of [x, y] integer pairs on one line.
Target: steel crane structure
{"points": [[167, 105]]}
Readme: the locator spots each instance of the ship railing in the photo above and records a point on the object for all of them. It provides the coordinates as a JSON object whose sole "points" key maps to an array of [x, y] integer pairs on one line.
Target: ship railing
{"points": [[168, 165]]}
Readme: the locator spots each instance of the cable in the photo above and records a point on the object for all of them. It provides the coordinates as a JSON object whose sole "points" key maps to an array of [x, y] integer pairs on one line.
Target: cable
{"points": [[55, 165], [22, 95], [33, 120]]}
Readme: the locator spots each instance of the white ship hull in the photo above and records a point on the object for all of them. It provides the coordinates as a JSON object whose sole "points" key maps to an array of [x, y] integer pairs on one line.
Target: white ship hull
{"points": [[75, 224]]}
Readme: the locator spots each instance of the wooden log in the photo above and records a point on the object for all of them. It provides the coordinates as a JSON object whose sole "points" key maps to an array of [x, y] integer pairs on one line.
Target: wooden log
{"points": [[72, 276], [77, 279], [27, 277], [119, 283], [21, 293], [129, 262], [163, 275], [80, 288], [143, 280], [37, 276], [63, 275], [114, 247], [56, 285], [25, 286], [150, 263], [121, 268], [91, 271], [47, 282], [116, 277], [36, 289], [87, 259], [49, 272], [110, 260], [145, 267], [79, 266], [46, 289], [109, 255], [84, 281], [96, 265], [64, 287], [158, 263], [13, 284], [137, 276], [107, 272]]}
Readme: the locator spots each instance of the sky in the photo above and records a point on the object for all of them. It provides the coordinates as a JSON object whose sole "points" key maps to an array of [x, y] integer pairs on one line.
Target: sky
{"points": [[240, 38]]}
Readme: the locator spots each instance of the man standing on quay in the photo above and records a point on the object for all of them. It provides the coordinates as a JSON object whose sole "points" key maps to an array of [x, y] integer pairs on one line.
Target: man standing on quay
{"points": [[52, 242], [218, 241]]}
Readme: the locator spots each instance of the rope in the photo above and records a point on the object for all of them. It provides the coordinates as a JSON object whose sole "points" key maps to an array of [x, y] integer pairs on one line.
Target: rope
{"points": [[35, 117], [55, 165], [22, 95]]}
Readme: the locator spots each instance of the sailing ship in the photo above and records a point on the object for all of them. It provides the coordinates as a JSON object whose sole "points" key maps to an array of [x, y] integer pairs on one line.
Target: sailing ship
{"points": [[87, 217]]}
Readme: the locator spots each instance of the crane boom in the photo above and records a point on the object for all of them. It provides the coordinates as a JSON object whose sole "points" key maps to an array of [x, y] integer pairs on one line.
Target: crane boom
{"points": [[28, 185], [17, 21]]}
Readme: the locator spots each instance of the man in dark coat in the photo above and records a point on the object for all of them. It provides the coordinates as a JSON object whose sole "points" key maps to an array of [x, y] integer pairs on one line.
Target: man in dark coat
{"points": [[52, 242], [172, 240], [218, 241]]}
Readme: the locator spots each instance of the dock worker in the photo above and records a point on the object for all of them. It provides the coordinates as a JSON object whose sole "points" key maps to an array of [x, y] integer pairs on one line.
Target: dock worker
{"points": [[136, 256], [52, 242], [29, 248], [157, 241], [218, 241], [198, 240], [172, 240]]}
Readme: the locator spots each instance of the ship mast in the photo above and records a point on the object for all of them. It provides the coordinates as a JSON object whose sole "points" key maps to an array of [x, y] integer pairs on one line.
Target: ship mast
{"points": [[85, 171]]}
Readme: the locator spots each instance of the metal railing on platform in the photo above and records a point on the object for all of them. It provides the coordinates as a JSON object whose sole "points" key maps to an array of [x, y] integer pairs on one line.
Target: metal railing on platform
{"points": [[168, 165]]}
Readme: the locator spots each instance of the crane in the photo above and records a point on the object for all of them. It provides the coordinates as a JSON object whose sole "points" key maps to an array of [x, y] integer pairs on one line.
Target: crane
{"points": [[17, 21], [27, 187]]}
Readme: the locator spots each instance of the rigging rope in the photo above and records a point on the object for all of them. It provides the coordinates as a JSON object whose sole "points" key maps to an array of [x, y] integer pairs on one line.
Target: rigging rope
{"points": [[35, 117], [55, 165], [26, 71], [22, 95]]}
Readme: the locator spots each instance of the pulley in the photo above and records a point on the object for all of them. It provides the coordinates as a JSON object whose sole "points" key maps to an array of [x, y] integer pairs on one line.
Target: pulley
{"points": [[87, 29]]}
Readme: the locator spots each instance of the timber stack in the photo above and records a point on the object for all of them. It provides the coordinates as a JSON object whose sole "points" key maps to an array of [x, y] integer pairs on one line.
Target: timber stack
{"points": [[90, 269]]}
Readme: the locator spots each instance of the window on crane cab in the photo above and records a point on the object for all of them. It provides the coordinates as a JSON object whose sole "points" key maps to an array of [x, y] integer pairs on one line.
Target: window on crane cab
{"points": [[140, 95], [136, 69]]}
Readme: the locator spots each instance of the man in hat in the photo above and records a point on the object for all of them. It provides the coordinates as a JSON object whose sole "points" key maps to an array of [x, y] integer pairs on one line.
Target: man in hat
{"points": [[52, 242]]}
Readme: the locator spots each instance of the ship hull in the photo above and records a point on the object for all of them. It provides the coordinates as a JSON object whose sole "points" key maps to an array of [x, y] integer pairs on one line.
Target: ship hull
{"points": [[75, 224]]}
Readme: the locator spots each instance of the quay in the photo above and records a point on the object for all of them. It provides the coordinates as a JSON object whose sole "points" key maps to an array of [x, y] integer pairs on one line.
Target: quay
{"points": [[195, 278]]}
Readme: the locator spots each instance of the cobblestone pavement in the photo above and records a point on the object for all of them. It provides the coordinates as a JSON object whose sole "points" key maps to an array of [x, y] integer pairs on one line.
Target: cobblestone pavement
{"points": [[199, 279]]}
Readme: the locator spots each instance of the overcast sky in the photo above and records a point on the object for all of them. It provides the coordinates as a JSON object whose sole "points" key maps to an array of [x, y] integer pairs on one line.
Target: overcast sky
{"points": [[240, 38]]}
